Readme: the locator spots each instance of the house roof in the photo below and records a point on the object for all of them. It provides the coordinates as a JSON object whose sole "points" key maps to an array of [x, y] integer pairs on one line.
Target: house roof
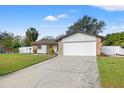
{"points": [[45, 41], [102, 37]]}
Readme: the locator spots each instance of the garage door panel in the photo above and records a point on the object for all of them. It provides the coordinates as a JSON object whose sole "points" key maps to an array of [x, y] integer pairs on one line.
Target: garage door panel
{"points": [[79, 49]]}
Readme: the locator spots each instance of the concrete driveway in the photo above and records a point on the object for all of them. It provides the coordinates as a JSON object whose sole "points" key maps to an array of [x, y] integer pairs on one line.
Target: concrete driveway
{"points": [[59, 72]]}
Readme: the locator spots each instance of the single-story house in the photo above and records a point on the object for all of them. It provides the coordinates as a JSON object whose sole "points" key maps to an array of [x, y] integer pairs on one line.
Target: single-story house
{"points": [[75, 44], [44, 45], [79, 44]]}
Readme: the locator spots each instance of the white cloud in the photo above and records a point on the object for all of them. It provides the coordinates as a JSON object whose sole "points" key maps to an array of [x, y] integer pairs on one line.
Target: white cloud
{"points": [[50, 18], [55, 18], [62, 16], [114, 27], [112, 8], [120, 27]]}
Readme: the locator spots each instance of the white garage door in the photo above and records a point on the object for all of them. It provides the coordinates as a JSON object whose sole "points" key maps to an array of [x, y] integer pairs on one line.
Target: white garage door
{"points": [[79, 49]]}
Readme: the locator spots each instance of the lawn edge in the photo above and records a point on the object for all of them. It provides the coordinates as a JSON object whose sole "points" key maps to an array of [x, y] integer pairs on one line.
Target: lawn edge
{"points": [[27, 66]]}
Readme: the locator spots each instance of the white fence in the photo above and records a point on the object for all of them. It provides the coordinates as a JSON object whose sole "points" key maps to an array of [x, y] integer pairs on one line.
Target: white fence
{"points": [[112, 50], [26, 50]]}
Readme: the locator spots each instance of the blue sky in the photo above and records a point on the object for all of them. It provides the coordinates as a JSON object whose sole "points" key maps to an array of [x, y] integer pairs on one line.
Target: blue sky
{"points": [[54, 20]]}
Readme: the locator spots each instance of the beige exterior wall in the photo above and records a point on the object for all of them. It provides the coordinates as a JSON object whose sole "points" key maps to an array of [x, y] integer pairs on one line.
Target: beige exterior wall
{"points": [[79, 37], [60, 48], [97, 39], [98, 45], [34, 47]]}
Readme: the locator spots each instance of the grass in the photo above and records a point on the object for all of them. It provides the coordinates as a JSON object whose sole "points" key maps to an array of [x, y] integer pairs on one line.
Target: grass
{"points": [[13, 62], [111, 71]]}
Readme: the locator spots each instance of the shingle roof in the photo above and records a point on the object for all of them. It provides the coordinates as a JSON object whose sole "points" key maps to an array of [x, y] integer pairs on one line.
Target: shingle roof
{"points": [[79, 32], [45, 41]]}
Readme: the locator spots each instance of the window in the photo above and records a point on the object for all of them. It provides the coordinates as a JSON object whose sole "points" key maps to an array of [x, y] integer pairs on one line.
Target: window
{"points": [[39, 46]]}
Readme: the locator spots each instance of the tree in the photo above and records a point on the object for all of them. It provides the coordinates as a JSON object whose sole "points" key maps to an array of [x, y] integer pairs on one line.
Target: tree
{"points": [[48, 37], [0, 38], [7, 41], [114, 39], [27, 42], [31, 34], [17, 42], [86, 24]]}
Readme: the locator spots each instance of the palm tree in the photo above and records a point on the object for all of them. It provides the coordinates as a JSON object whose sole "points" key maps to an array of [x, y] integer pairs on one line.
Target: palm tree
{"points": [[32, 34]]}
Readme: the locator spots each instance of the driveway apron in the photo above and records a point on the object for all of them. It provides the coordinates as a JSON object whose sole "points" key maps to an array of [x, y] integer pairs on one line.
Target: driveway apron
{"points": [[58, 72]]}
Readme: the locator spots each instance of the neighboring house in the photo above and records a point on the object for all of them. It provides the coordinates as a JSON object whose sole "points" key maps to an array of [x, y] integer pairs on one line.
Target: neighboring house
{"points": [[79, 44], [44, 45]]}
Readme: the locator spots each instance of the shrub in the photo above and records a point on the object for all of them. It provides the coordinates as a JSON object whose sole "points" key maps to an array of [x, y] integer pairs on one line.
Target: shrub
{"points": [[51, 51]]}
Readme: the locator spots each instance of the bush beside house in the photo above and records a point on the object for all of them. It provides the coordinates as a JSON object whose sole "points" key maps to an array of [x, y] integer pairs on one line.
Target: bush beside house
{"points": [[114, 39]]}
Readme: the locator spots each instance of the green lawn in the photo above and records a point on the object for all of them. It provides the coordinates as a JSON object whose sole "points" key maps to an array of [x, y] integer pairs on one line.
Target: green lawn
{"points": [[111, 71], [13, 62]]}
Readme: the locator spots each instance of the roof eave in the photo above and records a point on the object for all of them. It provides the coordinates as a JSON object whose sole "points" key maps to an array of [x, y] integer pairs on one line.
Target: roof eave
{"points": [[78, 32]]}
